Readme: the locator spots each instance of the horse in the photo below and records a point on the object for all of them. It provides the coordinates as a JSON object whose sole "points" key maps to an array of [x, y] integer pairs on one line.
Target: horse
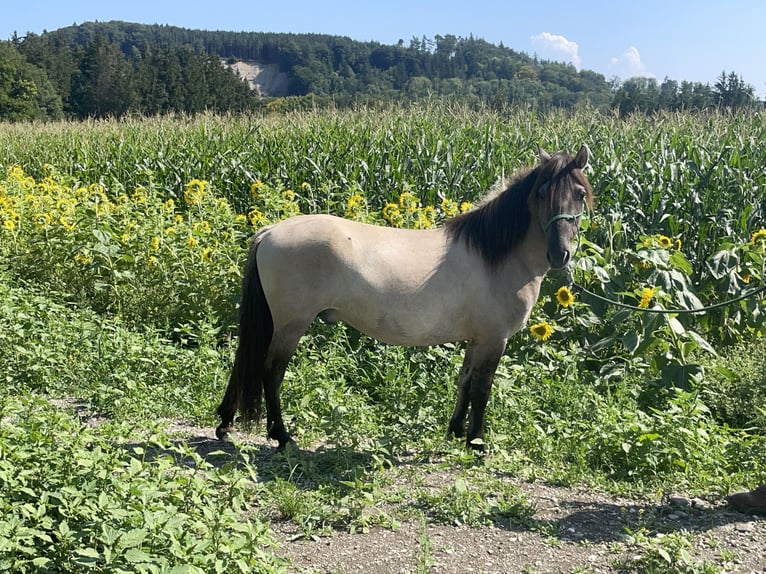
{"points": [[474, 279]]}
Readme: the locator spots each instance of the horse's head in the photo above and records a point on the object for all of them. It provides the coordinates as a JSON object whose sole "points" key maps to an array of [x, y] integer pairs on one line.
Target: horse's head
{"points": [[561, 195]]}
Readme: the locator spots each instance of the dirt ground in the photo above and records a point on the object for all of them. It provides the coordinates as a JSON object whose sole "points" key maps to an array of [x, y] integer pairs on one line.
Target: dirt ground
{"points": [[572, 530], [589, 535]]}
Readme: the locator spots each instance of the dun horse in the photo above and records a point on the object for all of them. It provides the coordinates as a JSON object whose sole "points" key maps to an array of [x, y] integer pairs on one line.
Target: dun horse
{"points": [[475, 279]]}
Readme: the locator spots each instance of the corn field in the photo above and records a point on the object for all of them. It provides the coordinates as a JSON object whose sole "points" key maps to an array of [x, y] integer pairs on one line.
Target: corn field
{"points": [[121, 252]]}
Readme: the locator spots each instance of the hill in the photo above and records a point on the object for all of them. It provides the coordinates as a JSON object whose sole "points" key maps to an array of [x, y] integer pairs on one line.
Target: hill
{"points": [[113, 68]]}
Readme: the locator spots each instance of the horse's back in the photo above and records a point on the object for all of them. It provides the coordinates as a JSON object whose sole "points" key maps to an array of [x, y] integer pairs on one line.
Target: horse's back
{"points": [[395, 285]]}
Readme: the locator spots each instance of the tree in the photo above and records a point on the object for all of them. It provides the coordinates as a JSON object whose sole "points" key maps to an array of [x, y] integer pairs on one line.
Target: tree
{"points": [[25, 91], [731, 91], [104, 85]]}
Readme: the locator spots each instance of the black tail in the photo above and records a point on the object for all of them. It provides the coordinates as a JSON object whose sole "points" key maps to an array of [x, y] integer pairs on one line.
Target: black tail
{"points": [[245, 390]]}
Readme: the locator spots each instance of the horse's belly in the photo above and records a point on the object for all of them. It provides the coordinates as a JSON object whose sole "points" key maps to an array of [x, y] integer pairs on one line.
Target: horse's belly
{"points": [[406, 321]]}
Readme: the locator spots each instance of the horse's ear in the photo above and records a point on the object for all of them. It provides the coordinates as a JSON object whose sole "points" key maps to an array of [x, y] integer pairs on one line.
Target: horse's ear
{"points": [[544, 155], [581, 159]]}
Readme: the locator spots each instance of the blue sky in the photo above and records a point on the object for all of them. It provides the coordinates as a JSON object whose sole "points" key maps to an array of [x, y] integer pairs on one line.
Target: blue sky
{"points": [[679, 39]]}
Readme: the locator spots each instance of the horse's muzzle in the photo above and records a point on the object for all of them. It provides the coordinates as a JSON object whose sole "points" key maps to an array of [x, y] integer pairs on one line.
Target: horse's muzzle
{"points": [[560, 259]]}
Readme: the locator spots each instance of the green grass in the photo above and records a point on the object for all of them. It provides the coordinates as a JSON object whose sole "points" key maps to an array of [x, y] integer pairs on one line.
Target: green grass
{"points": [[125, 310]]}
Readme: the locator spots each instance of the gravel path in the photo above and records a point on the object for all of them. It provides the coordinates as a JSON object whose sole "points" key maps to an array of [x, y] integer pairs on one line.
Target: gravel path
{"points": [[585, 533]]}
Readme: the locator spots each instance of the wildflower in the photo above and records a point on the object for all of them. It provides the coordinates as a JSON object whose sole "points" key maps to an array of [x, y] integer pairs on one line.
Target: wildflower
{"points": [[66, 205], [9, 225], [169, 205], [66, 224], [647, 294], [83, 258], [466, 206], [746, 278], [43, 220], [757, 236], [195, 191], [392, 214], [207, 255], [288, 195], [255, 188], [425, 218], [16, 172], [152, 261], [564, 296], [541, 331], [240, 219], [256, 218], [449, 207], [664, 241], [139, 195], [678, 244], [191, 242], [202, 227], [305, 186], [355, 206], [408, 202], [156, 243]]}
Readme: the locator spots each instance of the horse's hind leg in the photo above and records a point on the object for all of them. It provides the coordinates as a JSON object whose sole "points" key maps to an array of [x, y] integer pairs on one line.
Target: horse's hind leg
{"points": [[275, 426], [227, 410], [281, 351], [457, 422]]}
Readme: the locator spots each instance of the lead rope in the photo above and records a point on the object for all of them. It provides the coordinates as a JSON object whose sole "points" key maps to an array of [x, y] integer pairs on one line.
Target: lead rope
{"points": [[572, 283]]}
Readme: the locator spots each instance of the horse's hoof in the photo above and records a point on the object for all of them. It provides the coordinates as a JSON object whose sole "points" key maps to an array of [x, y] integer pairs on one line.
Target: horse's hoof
{"points": [[289, 442], [223, 432], [476, 445]]}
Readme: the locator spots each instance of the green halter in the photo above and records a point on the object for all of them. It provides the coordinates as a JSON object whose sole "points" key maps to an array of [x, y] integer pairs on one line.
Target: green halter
{"points": [[565, 216]]}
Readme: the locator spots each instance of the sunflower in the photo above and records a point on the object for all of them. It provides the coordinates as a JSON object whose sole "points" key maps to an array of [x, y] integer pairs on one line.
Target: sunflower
{"points": [[664, 241], [758, 235], [195, 191], [450, 207], [392, 214], [355, 206], [255, 188], [564, 296], [647, 294], [541, 331]]}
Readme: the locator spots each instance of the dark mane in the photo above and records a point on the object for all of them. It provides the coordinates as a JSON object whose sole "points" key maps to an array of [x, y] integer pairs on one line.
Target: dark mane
{"points": [[500, 223]]}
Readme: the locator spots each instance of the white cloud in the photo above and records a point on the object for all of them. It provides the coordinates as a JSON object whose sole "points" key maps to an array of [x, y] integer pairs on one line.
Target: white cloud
{"points": [[629, 65], [555, 47]]}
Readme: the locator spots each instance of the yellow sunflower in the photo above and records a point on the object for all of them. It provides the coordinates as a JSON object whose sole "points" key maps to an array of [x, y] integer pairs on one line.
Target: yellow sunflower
{"points": [[564, 296], [541, 331], [647, 294], [664, 241]]}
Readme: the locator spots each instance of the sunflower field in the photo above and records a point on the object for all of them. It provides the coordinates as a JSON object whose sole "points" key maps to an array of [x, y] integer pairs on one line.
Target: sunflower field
{"points": [[122, 245]]}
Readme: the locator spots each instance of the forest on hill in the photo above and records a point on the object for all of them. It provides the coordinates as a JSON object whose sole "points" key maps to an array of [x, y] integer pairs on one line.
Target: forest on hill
{"points": [[110, 69]]}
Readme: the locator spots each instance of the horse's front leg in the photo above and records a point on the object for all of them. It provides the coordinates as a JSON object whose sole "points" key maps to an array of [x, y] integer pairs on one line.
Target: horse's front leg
{"points": [[475, 383]]}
